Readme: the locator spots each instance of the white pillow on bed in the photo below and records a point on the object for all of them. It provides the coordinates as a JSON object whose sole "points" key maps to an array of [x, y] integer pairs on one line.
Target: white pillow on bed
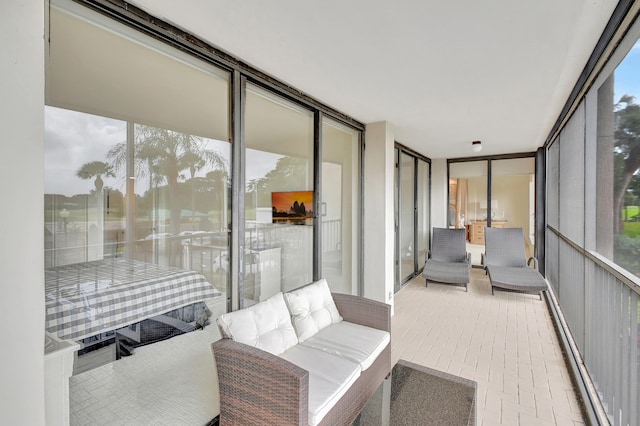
{"points": [[312, 309], [265, 325]]}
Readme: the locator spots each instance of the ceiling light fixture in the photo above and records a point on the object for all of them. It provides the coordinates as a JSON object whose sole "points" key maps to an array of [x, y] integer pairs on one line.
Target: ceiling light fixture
{"points": [[476, 146]]}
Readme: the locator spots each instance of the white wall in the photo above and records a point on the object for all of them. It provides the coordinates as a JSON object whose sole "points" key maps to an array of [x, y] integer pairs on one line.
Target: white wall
{"points": [[379, 234], [21, 232], [511, 194], [439, 188]]}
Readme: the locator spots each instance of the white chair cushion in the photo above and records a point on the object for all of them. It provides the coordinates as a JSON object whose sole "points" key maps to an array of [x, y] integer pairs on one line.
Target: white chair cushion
{"points": [[356, 342], [265, 325], [330, 377], [312, 309]]}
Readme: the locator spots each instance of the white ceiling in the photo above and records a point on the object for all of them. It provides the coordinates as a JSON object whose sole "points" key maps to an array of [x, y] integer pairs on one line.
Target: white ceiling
{"points": [[443, 73]]}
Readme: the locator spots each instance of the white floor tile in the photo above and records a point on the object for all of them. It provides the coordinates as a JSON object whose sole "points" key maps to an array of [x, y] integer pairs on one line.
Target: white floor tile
{"points": [[506, 342]]}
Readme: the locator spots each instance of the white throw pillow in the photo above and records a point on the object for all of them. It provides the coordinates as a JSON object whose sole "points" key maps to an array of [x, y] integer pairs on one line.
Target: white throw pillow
{"points": [[265, 325], [312, 309]]}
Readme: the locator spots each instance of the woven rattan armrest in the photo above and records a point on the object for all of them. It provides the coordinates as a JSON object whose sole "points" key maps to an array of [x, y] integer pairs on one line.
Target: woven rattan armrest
{"points": [[257, 387], [360, 310]]}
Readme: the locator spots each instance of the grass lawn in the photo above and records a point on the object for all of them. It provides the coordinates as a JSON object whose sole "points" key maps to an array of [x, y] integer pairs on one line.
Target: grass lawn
{"points": [[631, 229], [630, 211]]}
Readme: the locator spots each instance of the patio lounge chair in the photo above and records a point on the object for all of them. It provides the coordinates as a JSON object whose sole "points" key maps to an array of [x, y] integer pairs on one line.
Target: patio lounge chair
{"points": [[448, 261], [506, 264]]}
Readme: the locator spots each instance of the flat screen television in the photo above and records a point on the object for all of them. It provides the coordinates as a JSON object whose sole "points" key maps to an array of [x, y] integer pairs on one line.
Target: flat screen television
{"points": [[292, 207]]}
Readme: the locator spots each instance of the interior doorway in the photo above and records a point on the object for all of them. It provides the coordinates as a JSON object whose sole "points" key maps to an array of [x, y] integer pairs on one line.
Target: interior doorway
{"points": [[498, 193]]}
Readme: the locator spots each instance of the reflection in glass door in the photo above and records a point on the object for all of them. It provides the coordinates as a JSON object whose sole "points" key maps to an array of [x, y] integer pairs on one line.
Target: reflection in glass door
{"points": [[279, 159], [339, 206], [412, 204], [509, 202], [513, 197], [136, 183], [423, 204], [406, 225], [468, 204]]}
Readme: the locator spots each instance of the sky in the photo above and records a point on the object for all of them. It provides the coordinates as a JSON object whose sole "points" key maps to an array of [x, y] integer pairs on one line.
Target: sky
{"points": [[73, 139], [627, 75]]}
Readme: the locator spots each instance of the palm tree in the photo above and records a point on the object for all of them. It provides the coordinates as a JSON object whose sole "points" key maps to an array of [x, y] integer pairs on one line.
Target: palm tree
{"points": [[96, 169], [220, 182], [161, 155]]}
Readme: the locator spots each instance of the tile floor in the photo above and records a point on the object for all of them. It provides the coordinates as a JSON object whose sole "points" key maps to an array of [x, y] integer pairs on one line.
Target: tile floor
{"points": [[506, 343]]}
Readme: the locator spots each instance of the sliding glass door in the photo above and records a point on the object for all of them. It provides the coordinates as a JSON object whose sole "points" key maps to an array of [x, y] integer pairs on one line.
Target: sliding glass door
{"points": [[468, 208], [498, 193], [339, 214], [406, 216], [178, 187], [513, 197], [279, 199], [137, 177], [423, 216], [412, 217]]}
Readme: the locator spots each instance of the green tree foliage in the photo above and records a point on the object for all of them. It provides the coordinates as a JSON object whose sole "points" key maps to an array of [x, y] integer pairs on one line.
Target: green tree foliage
{"points": [[96, 169], [290, 174], [167, 159], [627, 152]]}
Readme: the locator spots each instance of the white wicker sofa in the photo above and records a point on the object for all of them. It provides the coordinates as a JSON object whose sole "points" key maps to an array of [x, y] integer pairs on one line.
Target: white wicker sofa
{"points": [[302, 357]]}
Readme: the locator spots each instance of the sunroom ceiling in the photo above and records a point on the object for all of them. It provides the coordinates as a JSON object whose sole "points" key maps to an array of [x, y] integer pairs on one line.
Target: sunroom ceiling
{"points": [[443, 73]]}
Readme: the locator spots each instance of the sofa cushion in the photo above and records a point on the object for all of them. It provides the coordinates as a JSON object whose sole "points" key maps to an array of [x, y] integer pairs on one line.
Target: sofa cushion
{"points": [[265, 325], [312, 309], [330, 377], [356, 342]]}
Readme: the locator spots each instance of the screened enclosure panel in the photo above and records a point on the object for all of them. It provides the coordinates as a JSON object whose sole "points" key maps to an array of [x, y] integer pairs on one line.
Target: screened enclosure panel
{"points": [[553, 184], [572, 171]]}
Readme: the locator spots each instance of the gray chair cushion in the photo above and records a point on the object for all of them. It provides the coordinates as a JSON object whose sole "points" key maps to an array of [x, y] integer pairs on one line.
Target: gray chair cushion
{"points": [[523, 279], [449, 245], [506, 262], [446, 272], [505, 247], [448, 262]]}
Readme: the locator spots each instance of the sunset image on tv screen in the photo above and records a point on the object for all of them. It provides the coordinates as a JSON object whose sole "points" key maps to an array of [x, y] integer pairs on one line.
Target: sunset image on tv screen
{"points": [[293, 207]]}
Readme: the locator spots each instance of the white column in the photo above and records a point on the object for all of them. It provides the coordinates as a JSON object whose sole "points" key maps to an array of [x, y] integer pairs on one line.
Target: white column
{"points": [[378, 247], [21, 215]]}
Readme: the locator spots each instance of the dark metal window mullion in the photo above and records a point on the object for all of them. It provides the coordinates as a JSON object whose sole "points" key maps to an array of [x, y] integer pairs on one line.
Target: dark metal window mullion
{"points": [[317, 187], [396, 218], [489, 209], [360, 249], [130, 203], [540, 208], [415, 216], [237, 242]]}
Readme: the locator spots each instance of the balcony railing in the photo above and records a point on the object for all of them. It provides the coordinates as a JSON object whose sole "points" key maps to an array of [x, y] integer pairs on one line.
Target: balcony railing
{"points": [[600, 304]]}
